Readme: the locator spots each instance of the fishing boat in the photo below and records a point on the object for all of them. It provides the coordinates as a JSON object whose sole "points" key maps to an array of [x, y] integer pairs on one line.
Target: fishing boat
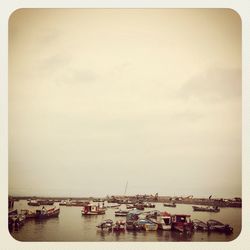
{"points": [[47, 213], [113, 206], [139, 206], [146, 225], [162, 219], [217, 226], [149, 205], [34, 203], [121, 212], [182, 223], [46, 202], [200, 225], [16, 221], [130, 206], [28, 214], [13, 212], [131, 220], [92, 209], [169, 204], [106, 225], [119, 226], [206, 209]]}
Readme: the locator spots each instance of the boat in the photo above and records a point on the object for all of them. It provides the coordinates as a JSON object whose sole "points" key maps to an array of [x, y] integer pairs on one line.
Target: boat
{"points": [[162, 219], [200, 225], [92, 209], [206, 209], [146, 225], [106, 225], [47, 213], [130, 206], [169, 204], [121, 212], [13, 212], [119, 226], [139, 206], [34, 203], [182, 223], [166, 217], [217, 226], [15, 221], [149, 205], [46, 202], [28, 214], [131, 220], [113, 206]]}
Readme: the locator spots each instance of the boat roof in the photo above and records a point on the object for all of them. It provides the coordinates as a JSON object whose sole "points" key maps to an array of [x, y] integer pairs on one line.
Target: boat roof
{"points": [[182, 215]]}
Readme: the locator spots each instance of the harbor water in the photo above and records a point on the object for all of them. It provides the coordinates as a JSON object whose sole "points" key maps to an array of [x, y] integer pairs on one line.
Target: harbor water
{"points": [[72, 226]]}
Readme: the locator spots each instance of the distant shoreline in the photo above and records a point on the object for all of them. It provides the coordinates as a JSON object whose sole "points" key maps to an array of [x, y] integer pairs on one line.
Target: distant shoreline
{"points": [[235, 202]]}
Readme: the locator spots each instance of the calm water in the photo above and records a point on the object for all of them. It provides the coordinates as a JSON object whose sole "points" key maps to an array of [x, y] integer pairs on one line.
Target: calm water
{"points": [[72, 226]]}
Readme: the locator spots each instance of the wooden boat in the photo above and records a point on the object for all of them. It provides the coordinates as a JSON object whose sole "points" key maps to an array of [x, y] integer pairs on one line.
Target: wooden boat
{"points": [[200, 225], [34, 203], [146, 224], [182, 223], [121, 212], [206, 209], [217, 226], [131, 220], [162, 219], [149, 205], [139, 206], [92, 209], [130, 206], [47, 213], [28, 214], [113, 206], [13, 212], [106, 225], [46, 202], [169, 204], [15, 221], [119, 226]]}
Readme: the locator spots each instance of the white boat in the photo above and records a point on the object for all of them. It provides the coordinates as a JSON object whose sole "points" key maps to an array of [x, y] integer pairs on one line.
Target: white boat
{"points": [[92, 209]]}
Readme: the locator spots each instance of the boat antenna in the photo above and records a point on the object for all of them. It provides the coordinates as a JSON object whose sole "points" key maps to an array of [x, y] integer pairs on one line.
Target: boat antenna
{"points": [[126, 188]]}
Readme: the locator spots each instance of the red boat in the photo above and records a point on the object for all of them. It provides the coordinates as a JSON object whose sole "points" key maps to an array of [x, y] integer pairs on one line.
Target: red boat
{"points": [[182, 223]]}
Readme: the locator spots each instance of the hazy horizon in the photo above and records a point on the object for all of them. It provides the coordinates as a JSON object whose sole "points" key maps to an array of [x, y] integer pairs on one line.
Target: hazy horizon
{"points": [[99, 97]]}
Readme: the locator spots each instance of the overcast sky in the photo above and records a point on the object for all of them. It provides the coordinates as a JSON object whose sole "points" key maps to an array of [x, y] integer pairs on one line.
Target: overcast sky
{"points": [[101, 97]]}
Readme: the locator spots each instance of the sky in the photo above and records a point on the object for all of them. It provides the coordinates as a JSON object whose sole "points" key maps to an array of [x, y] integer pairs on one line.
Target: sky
{"points": [[102, 97]]}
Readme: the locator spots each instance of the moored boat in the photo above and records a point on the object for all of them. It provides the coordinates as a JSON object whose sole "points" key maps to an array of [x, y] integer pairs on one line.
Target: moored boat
{"points": [[182, 223], [217, 226], [131, 220], [146, 224], [92, 209], [34, 203], [162, 219], [206, 209], [200, 225], [28, 214], [47, 213], [119, 226], [121, 212], [46, 202], [106, 225], [149, 205], [169, 204], [113, 206]]}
